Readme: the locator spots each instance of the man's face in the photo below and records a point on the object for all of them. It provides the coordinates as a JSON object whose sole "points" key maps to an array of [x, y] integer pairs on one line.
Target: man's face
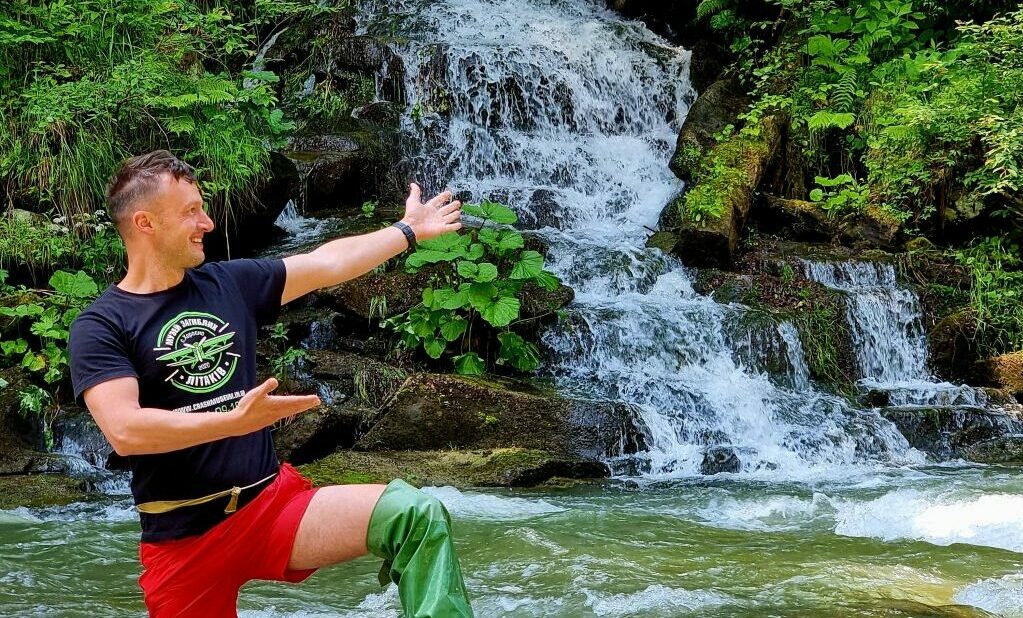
{"points": [[179, 222]]}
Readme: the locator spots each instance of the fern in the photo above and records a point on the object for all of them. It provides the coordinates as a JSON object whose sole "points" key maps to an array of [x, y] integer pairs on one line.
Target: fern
{"points": [[825, 120], [707, 8], [844, 95]]}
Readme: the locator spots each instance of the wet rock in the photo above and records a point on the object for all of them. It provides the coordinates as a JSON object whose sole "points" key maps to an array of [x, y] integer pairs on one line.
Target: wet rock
{"points": [[798, 218], [715, 108], [317, 433], [76, 433], [1001, 450], [718, 459], [952, 344], [503, 467], [434, 411], [949, 432], [382, 113], [1003, 372]]}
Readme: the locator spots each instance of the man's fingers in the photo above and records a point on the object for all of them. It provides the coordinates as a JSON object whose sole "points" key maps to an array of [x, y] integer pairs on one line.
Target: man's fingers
{"points": [[415, 193], [262, 389], [440, 199], [292, 404], [453, 206], [452, 217]]}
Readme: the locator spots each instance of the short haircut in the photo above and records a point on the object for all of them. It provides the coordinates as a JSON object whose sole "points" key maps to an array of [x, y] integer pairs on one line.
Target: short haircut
{"points": [[138, 178]]}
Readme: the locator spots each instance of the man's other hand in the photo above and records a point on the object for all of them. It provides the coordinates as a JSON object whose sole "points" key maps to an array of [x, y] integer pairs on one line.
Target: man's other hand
{"points": [[259, 409], [438, 216]]}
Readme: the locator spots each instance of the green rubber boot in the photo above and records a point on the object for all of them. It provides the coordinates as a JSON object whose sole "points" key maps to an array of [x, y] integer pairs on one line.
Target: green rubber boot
{"points": [[411, 531]]}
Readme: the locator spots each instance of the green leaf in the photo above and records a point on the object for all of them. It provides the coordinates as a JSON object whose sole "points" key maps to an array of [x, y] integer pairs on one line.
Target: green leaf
{"points": [[475, 251], [454, 329], [78, 285], [434, 347], [509, 240], [816, 195], [486, 272], [489, 237], [263, 76], [428, 297], [522, 354], [502, 312], [498, 213], [481, 295], [467, 269], [469, 364], [530, 265], [430, 256], [547, 280], [33, 361], [444, 242], [457, 300]]}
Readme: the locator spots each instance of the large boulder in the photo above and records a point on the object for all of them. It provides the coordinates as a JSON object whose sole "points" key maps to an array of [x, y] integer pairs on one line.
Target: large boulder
{"points": [[1003, 372], [950, 432], [709, 217], [503, 467], [1001, 450], [715, 108], [435, 411], [40, 490]]}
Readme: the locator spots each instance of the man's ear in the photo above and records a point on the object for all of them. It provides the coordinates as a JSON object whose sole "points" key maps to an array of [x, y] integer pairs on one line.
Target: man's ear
{"points": [[143, 221]]}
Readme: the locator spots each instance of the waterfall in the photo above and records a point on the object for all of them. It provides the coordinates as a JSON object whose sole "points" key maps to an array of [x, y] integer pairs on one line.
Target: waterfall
{"points": [[888, 334], [569, 115]]}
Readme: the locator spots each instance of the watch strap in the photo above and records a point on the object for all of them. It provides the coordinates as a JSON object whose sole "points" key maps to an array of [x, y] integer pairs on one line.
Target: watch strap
{"points": [[410, 236]]}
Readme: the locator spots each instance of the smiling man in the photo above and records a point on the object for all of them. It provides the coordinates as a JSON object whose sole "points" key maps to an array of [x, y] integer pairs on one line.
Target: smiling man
{"points": [[165, 360]]}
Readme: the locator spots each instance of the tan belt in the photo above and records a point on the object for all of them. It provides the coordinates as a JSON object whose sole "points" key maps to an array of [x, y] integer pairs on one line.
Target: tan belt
{"points": [[163, 506]]}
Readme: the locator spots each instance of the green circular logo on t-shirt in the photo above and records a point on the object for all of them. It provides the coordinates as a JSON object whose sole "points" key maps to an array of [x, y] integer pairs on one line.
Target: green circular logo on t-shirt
{"points": [[196, 351]]}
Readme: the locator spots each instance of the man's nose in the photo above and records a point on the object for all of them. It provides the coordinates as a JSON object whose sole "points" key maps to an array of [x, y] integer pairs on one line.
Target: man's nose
{"points": [[207, 222]]}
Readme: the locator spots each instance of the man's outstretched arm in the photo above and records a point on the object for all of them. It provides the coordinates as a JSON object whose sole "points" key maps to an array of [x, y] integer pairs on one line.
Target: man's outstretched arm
{"points": [[347, 258], [134, 430]]}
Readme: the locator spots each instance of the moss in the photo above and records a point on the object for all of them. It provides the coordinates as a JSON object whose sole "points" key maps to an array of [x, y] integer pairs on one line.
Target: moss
{"points": [[39, 490], [496, 467], [827, 342], [727, 173]]}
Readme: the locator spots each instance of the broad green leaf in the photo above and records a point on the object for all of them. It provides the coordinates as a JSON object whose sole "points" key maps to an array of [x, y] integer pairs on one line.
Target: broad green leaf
{"points": [[430, 256], [501, 312], [489, 237], [434, 347], [498, 213], [467, 269], [475, 251], [457, 300], [444, 242], [529, 266], [33, 361], [547, 280], [78, 285], [522, 354], [428, 297], [422, 327], [510, 239], [264, 76], [453, 329], [486, 272], [469, 364], [441, 298], [481, 295]]}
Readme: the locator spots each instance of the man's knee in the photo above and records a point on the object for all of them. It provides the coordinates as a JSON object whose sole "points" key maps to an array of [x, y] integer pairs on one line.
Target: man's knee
{"points": [[405, 514]]}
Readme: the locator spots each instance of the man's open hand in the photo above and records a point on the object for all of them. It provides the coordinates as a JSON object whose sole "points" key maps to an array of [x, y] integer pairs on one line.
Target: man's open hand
{"points": [[259, 409], [437, 216]]}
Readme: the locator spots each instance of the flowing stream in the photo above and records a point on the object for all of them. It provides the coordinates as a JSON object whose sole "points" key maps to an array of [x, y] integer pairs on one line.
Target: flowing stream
{"points": [[569, 114]]}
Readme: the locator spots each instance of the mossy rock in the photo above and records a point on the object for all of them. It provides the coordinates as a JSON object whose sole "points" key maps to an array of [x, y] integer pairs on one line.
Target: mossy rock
{"points": [[506, 467], [40, 490], [949, 432], [437, 411], [1005, 450], [1004, 372]]}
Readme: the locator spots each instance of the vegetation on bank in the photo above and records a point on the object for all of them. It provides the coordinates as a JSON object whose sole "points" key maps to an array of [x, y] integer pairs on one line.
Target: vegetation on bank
{"points": [[907, 109]]}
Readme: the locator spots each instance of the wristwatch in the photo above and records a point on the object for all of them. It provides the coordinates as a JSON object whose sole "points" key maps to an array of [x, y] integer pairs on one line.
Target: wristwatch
{"points": [[410, 236]]}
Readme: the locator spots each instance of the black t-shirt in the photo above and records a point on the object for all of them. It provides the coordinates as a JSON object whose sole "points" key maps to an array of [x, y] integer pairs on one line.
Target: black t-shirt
{"points": [[193, 349]]}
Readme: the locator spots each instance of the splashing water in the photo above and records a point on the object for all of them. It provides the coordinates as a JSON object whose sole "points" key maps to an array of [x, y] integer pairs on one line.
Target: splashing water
{"points": [[570, 116]]}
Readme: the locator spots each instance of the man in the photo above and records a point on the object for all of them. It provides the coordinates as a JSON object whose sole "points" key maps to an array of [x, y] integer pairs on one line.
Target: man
{"points": [[165, 362]]}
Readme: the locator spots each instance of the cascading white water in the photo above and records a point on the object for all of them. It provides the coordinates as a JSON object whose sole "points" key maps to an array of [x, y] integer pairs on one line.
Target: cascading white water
{"points": [[569, 115], [888, 334]]}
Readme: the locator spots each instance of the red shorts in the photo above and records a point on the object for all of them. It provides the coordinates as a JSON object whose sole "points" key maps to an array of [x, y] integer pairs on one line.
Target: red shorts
{"points": [[201, 575]]}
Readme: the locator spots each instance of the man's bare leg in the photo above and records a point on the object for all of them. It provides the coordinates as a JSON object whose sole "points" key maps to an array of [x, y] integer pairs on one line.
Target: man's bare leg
{"points": [[409, 529], [334, 526]]}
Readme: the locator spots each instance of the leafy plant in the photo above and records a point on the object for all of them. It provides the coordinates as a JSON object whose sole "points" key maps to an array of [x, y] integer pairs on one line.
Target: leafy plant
{"points": [[485, 272], [839, 196], [287, 359]]}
